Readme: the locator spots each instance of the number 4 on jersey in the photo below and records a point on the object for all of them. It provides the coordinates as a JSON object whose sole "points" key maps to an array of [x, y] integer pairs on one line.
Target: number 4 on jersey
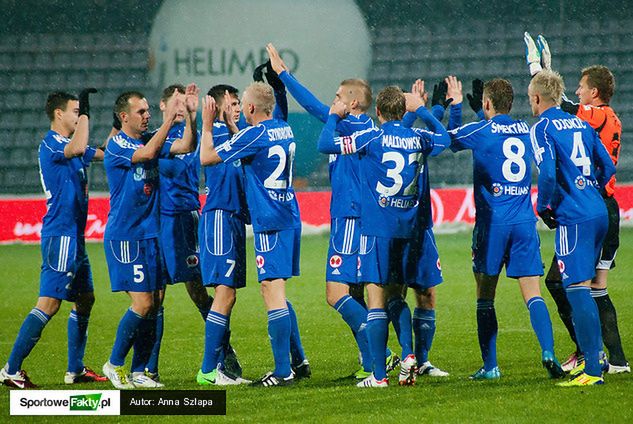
{"points": [[579, 156]]}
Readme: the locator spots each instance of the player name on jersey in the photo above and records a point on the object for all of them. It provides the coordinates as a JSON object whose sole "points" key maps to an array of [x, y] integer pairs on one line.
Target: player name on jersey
{"points": [[568, 124], [515, 128], [395, 142]]}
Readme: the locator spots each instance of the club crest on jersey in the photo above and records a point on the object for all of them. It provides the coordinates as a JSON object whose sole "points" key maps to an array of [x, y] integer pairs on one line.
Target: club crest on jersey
{"points": [[561, 266], [497, 189], [192, 261], [580, 182], [383, 201], [336, 261], [147, 189], [438, 264], [259, 260]]}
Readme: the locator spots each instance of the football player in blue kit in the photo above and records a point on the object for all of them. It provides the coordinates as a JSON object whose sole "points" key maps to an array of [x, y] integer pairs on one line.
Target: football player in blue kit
{"points": [[64, 157], [390, 159], [343, 291], [131, 239], [505, 225], [573, 166], [222, 232], [266, 149]]}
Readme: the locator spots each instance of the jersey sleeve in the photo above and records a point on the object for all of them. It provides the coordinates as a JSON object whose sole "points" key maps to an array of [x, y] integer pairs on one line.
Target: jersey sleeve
{"points": [[242, 145], [281, 105], [346, 145], [89, 154], [455, 116], [55, 149], [465, 137], [166, 149], [545, 158], [121, 152], [304, 97], [594, 116], [605, 168], [409, 118]]}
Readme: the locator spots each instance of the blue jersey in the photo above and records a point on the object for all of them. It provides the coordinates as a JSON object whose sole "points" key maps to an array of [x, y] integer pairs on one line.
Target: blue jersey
{"points": [[134, 197], [573, 165], [224, 182], [343, 169], [390, 165], [65, 184], [267, 153], [179, 177], [502, 175]]}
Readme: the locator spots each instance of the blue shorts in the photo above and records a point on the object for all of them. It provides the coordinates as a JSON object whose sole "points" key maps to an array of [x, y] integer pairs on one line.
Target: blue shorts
{"points": [[65, 268], [134, 265], [517, 246], [429, 269], [386, 260], [179, 245], [277, 254], [223, 253], [578, 248], [342, 262]]}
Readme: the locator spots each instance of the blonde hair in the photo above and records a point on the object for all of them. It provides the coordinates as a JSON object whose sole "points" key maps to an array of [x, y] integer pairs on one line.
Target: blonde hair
{"points": [[262, 96], [360, 90], [549, 85]]}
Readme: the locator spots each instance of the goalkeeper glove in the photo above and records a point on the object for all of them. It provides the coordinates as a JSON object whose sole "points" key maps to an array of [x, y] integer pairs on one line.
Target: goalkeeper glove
{"points": [[266, 70], [532, 55], [439, 95], [476, 99], [84, 104], [547, 215], [544, 52]]}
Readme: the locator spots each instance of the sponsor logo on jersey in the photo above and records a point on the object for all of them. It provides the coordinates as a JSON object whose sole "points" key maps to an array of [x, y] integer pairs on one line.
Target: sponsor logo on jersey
{"points": [[260, 261], [497, 189], [580, 182], [382, 201], [336, 261], [561, 266], [192, 261]]}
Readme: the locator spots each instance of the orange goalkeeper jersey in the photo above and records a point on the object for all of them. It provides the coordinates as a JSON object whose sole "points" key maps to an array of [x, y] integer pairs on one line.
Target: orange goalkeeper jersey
{"points": [[608, 126]]}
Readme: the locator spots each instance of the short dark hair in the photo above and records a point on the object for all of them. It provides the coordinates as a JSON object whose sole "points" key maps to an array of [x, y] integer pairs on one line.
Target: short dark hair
{"points": [[391, 103], [217, 91], [57, 100], [169, 91], [602, 78], [500, 93], [122, 103]]}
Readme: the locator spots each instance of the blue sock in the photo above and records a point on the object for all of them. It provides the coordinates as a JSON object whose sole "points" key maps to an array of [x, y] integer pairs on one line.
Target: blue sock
{"points": [[400, 317], [377, 334], [541, 323], [279, 333], [125, 335], [587, 325], [77, 337], [27, 338], [226, 341], [215, 328], [152, 364], [356, 317], [424, 330], [296, 347], [205, 309], [487, 332], [144, 343]]}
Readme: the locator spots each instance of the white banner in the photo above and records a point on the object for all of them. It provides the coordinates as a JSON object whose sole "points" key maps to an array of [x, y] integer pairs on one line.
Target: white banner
{"points": [[65, 402]]}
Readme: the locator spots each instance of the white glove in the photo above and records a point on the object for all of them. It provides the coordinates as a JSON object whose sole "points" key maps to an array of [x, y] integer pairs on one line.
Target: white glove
{"points": [[546, 54], [532, 54]]}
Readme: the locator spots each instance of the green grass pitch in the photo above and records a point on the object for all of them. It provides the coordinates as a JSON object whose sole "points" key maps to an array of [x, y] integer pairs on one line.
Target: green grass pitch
{"points": [[524, 394]]}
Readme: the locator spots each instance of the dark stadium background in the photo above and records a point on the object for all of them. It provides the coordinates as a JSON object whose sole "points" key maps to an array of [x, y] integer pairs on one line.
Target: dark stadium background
{"points": [[52, 45]]}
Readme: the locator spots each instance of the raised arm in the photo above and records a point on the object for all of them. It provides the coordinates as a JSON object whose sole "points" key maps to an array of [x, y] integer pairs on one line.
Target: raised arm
{"points": [[301, 94], [79, 141], [189, 139], [153, 147], [208, 154]]}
